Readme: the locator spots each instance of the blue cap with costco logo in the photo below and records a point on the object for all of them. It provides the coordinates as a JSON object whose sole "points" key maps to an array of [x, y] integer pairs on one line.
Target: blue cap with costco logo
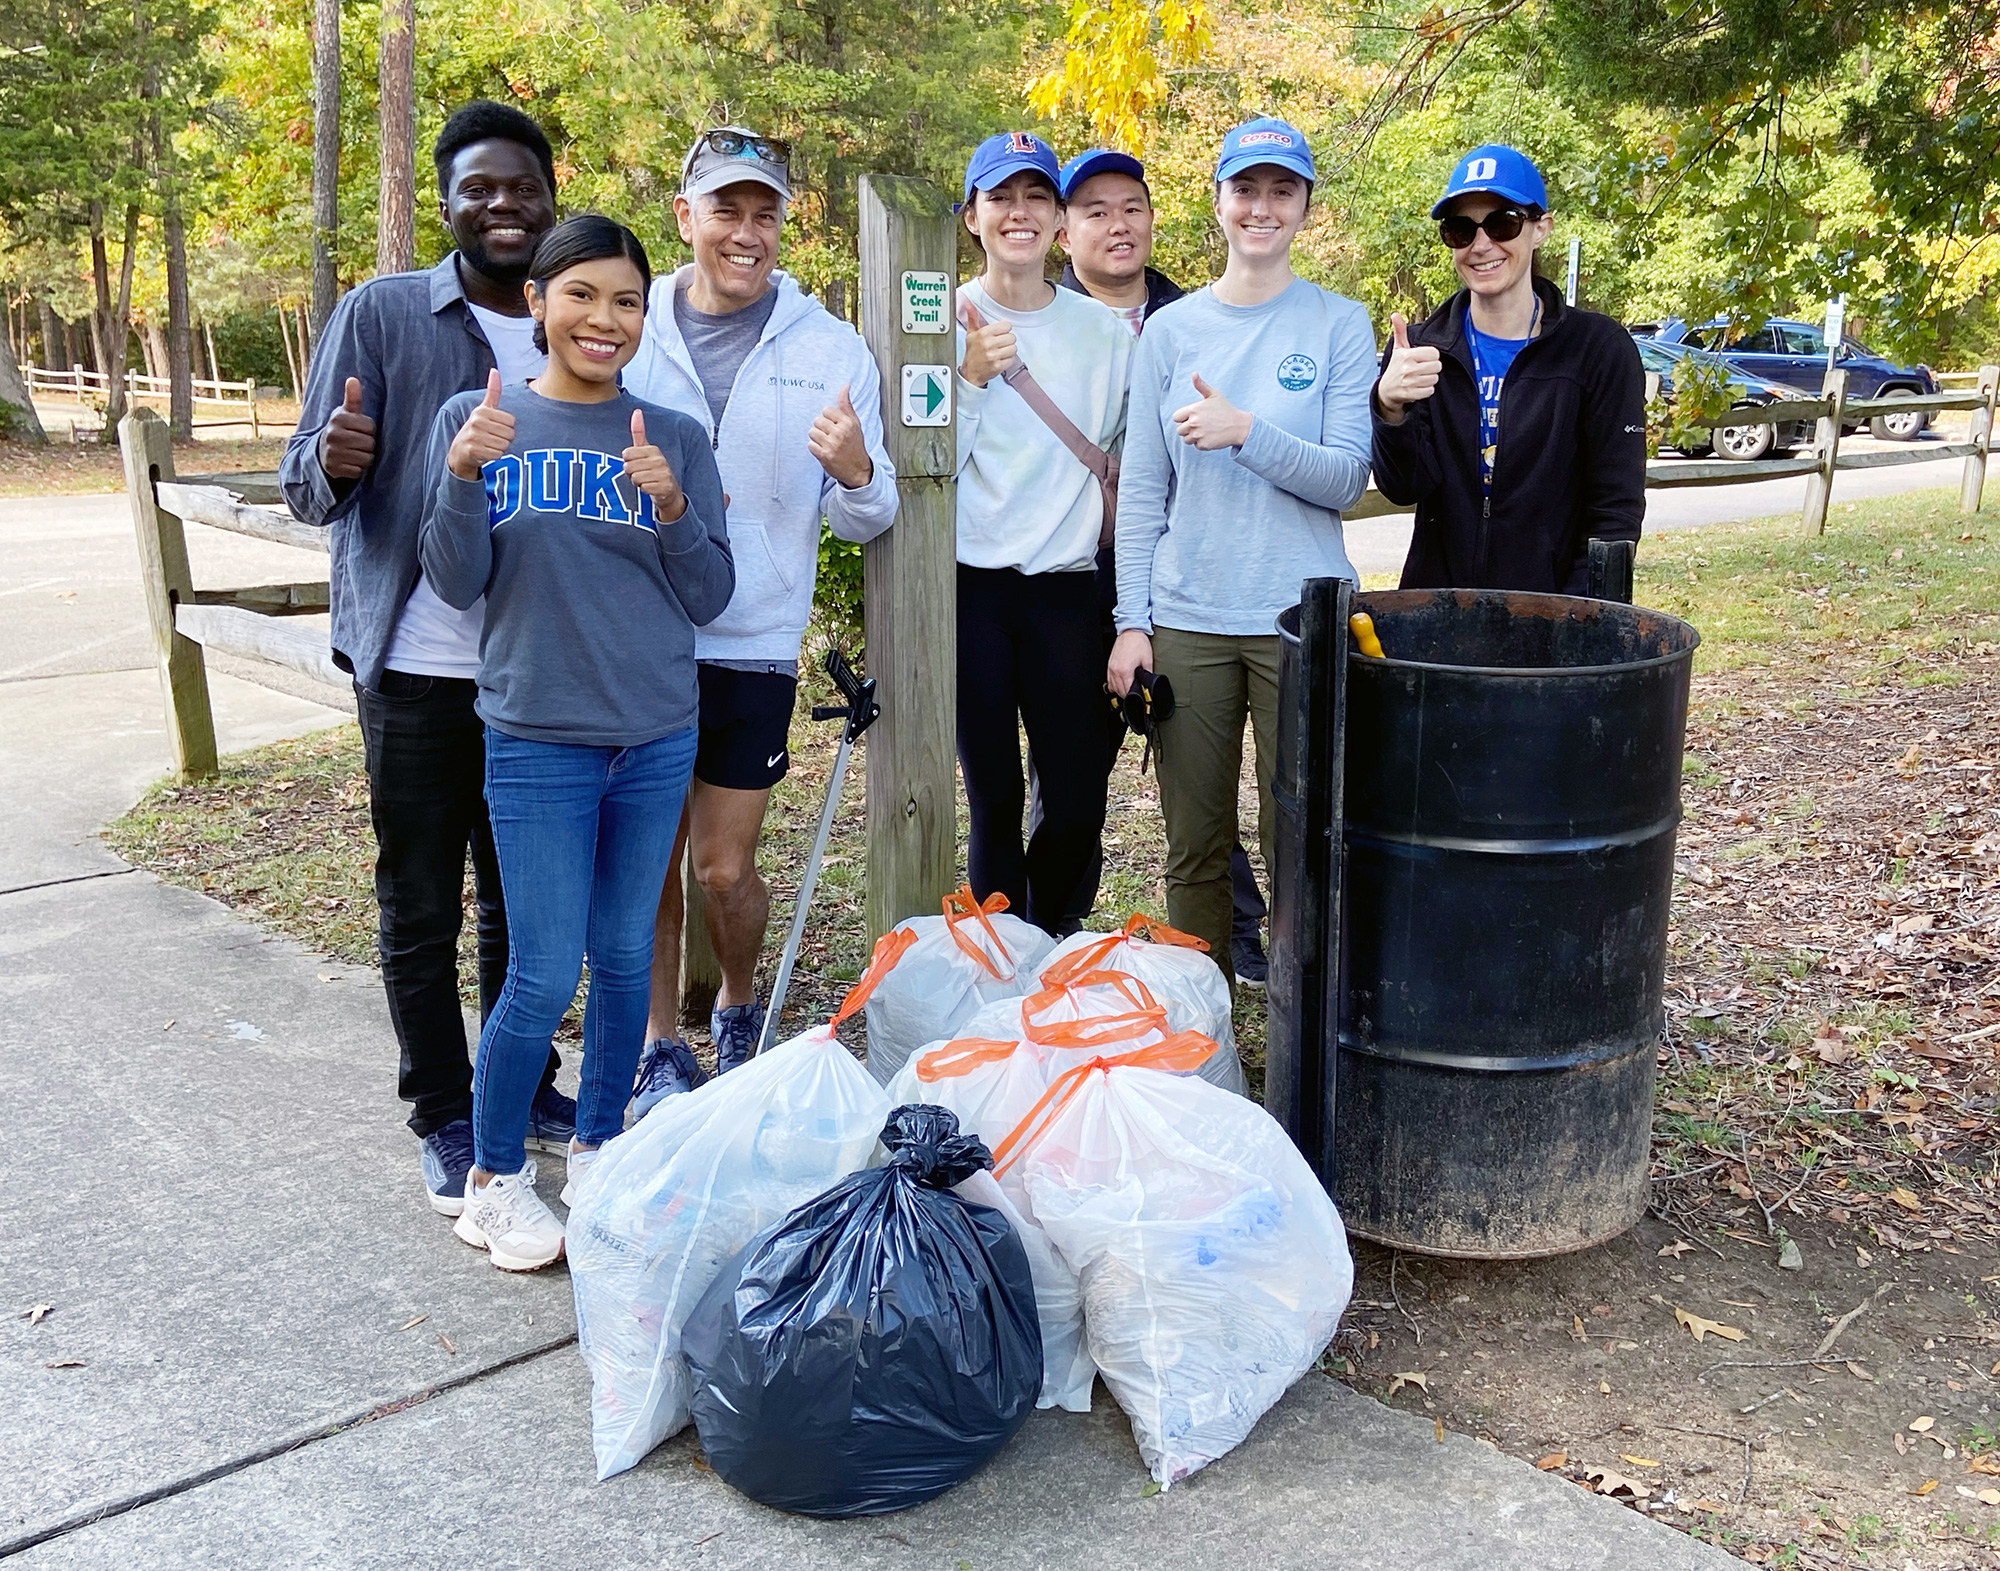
{"points": [[1008, 153], [1098, 161], [1495, 170], [1265, 141]]}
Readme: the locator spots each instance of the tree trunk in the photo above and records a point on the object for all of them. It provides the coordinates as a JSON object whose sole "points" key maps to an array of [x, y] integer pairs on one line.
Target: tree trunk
{"points": [[291, 358], [395, 229], [326, 158], [154, 342], [179, 357], [55, 342], [112, 320], [214, 365], [18, 420]]}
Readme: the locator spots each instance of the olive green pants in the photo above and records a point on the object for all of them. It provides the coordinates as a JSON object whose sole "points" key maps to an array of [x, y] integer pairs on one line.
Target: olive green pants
{"points": [[1218, 681]]}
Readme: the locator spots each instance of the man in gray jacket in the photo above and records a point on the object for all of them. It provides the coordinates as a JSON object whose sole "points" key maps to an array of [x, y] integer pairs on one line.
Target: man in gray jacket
{"points": [[791, 399], [395, 350]]}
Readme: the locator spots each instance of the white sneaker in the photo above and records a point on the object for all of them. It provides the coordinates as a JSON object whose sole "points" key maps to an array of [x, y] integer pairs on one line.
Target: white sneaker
{"points": [[579, 1164], [508, 1220]]}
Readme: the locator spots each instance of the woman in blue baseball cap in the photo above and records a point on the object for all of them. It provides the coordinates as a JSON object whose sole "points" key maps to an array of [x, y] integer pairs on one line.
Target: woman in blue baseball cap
{"points": [[1041, 395], [1248, 434], [1515, 422]]}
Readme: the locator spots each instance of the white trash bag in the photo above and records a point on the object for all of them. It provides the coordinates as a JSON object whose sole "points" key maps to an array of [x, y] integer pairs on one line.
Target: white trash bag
{"points": [[1177, 971], [971, 956], [1094, 1010], [991, 1086], [1214, 1267], [678, 1194]]}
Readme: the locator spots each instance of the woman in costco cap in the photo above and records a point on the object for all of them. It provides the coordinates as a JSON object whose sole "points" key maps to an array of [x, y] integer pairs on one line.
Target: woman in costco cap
{"points": [[1515, 422], [1247, 436]]}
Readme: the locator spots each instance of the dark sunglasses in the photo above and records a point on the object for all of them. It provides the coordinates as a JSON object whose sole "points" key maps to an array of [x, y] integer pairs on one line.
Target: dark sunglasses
{"points": [[733, 144], [1503, 224]]}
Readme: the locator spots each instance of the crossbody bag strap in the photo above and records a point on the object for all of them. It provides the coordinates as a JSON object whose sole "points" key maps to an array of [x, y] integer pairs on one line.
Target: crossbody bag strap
{"points": [[1036, 397]]}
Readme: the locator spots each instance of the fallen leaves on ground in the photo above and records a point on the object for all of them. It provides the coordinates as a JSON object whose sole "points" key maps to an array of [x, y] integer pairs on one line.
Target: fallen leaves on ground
{"points": [[1409, 1377], [1698, 1327], [1609, 1483]]}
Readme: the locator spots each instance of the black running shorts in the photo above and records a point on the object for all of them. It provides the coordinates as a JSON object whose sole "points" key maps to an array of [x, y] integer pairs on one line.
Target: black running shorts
{"points": [[746, 718]]}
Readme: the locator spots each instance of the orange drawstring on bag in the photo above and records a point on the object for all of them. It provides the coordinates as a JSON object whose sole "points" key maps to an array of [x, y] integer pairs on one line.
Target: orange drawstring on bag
{"points": [[961, 1056], [960, 906], [1146, 1014], [1137, 925], [888, 950], [1179, 1053]]}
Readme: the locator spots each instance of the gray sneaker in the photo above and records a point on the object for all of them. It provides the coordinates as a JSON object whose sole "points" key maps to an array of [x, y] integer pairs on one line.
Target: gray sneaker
{"points": [[667, 1067], [736, 1030]]}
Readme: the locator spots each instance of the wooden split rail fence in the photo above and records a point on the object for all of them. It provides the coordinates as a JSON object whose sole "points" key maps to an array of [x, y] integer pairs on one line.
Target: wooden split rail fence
{"points": [[92, 388]]}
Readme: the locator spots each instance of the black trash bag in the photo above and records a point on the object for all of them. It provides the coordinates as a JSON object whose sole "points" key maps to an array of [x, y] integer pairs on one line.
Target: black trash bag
{"points": [[878, 1344]]}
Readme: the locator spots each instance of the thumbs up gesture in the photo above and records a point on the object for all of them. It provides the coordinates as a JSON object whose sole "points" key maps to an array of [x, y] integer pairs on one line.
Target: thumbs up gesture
{"points": [[838, 442], [990, 349], [647, 468], [1213, 422], [1411, 374], [347, 444], [487, 434]]}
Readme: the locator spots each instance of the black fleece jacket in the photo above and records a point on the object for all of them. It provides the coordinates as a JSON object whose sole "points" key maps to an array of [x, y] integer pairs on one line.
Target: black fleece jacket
{"points": [[1571, 464]]}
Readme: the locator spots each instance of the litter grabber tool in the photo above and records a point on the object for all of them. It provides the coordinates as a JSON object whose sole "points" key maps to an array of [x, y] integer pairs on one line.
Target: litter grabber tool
{"points": [[1362, 625], [1145, 708], [860, 712]]}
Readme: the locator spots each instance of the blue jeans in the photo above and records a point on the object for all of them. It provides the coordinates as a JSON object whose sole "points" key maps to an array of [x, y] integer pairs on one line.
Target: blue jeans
{"points": [[584, 835]]}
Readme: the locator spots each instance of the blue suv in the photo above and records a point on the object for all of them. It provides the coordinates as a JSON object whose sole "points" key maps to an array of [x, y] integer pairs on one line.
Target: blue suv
{"points": [[1795, 352]]}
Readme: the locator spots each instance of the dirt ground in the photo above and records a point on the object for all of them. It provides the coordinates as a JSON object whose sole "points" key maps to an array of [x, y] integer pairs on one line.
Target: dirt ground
{"points": [[1826, 1205]]}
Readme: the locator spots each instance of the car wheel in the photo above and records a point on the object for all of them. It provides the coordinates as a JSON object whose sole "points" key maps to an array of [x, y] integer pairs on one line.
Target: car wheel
{"points": [[1905, 427], [1743, 442]]}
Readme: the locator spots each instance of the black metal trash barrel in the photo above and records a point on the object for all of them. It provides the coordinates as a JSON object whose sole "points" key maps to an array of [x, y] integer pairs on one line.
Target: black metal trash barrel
{"points": [[1511, 795]]}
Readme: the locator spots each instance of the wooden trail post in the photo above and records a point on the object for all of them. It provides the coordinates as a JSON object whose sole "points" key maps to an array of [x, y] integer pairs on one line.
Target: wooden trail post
{"points": [[909, 255], [1981, 434], [1826, 449], [148, 449]]}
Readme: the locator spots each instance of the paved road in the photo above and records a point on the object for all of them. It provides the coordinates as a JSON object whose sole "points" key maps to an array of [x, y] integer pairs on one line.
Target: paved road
{"points": [[210, 1186], [1378, 545]]}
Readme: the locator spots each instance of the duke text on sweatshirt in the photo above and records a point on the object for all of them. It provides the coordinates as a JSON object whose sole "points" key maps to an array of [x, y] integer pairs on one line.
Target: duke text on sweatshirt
{"points": [[591, 601]]}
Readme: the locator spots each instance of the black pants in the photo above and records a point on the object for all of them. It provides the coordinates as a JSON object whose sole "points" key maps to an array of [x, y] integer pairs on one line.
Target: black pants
{"points": [[426, 754], [1030, 655]]}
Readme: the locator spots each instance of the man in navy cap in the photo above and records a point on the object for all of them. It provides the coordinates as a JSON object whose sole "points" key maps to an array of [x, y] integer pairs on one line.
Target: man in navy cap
{"points": [[1510, 490]]}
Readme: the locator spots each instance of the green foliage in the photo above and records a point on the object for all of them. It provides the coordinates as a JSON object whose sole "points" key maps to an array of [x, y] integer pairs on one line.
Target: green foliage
{"points": [[1689, 406], [837, 594]]}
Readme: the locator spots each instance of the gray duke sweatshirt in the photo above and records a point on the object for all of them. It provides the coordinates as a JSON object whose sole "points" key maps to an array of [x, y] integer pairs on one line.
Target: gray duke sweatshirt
{"points": [[591, 601]]}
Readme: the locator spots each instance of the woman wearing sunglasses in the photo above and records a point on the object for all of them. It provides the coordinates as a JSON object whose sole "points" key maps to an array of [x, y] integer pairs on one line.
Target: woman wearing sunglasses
{"points": [[1515, 423]]}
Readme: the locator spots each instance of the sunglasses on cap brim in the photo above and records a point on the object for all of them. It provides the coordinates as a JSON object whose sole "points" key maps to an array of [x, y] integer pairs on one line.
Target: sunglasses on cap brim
{"points": [[735, 144], [1502, 224]]}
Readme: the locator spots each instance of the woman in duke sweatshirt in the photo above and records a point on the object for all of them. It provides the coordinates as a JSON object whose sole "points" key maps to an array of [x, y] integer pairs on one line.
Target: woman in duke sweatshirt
{"points": [[1248, 434], [593, 524], [1030, 653]]}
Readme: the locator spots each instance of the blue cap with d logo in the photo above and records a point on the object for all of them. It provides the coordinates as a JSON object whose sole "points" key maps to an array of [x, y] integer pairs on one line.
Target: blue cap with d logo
{"points": [[1495, 170]]}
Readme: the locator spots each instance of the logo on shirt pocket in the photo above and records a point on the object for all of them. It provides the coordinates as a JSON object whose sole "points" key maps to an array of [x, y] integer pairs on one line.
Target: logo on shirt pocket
{"points": [[1296, 373]]}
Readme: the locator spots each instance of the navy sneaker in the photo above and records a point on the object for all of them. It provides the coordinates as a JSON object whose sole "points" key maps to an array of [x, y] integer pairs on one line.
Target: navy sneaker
{"points": [[1246, 959], [735, 1031], [447, 1158], [666, 1068], [551, 1122]]}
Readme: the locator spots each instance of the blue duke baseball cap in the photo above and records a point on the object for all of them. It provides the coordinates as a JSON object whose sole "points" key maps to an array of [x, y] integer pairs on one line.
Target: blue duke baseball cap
{"points": [[1265, 141], [1495, 170], [1008, 153], [1098, 161]]}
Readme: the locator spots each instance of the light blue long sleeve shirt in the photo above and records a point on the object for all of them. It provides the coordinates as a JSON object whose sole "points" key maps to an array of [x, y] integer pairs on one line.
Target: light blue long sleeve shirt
{"points": [[1219, 542]]}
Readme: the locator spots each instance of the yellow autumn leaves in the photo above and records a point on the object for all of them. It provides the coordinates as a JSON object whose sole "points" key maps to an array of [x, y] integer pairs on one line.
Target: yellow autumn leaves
{"points": [[1115, 60]]}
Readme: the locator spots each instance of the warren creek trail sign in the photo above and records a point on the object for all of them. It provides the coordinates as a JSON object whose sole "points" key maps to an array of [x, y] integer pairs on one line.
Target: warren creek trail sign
{"points": [[926, 302]]}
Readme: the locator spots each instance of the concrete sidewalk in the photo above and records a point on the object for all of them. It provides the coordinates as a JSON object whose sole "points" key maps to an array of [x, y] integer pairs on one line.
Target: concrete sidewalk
{"points": [[213, 1191]]}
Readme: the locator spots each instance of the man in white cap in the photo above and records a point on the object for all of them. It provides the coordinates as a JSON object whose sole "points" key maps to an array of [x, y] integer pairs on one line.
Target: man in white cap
{"points": [[791, 398]]}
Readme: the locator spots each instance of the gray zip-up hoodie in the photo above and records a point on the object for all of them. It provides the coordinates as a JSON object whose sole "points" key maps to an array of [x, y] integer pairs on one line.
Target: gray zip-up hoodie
{"points": [[413, 342], [591, 601]]}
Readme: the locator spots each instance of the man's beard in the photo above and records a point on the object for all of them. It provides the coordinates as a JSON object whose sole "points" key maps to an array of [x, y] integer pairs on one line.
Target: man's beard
{"points": [[480, 260]]}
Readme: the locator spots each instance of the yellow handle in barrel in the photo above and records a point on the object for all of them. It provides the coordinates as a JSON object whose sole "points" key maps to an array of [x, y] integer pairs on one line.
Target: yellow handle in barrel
{"points": [[1363, 626]]}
